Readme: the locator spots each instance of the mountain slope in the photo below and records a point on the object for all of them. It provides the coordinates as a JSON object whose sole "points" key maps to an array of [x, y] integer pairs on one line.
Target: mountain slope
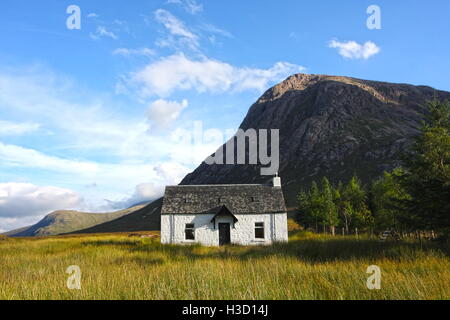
{"points": [[329, 126], [147, 218], [59, 222]]}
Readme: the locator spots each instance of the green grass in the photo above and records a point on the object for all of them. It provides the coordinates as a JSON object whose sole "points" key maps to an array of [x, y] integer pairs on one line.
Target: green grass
{"points": [[118, 266]]}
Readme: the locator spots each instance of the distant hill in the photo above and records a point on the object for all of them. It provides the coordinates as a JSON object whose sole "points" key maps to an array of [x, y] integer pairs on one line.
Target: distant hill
{"points": [[15, 231], [60, 222], [147, 218]]}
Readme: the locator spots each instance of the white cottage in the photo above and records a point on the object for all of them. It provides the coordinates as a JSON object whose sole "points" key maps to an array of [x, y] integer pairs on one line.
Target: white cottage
{"points": [[213, 215]]}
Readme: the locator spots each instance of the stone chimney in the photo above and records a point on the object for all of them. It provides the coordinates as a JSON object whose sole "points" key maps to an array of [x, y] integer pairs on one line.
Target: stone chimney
{"points": [[276, 181]]}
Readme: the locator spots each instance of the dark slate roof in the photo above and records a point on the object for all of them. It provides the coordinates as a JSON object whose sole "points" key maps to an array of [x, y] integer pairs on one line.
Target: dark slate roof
{"points": [[238, 198]]}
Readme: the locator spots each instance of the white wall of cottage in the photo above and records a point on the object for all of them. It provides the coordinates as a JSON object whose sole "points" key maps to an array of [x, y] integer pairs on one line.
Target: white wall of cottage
{"points": [[243, 233]]}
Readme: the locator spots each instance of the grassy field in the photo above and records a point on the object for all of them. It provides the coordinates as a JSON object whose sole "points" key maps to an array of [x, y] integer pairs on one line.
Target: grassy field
{"points": [[120, 266]]}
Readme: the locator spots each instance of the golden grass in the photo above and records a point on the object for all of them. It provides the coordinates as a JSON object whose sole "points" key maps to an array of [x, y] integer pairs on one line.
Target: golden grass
{"points": [[117, 266]]}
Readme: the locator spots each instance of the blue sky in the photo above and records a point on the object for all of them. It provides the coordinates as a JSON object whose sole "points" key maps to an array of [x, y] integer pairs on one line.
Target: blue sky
{"points": [[104, 116]]}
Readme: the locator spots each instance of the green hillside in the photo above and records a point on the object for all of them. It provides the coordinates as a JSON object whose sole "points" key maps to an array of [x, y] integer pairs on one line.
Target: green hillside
{"points": [[60, 222]]}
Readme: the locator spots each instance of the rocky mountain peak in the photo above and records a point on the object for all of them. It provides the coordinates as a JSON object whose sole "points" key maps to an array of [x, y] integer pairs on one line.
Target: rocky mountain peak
{"points": [[330, 126], [302, 81]]}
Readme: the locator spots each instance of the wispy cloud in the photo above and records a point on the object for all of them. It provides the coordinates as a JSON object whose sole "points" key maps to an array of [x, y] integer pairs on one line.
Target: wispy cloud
{"points": [[191, 6], [354, 50], [49, 100], [8, 128], [210, 28], [134, 52], [179, 34], [16, 156], [103, 32]]}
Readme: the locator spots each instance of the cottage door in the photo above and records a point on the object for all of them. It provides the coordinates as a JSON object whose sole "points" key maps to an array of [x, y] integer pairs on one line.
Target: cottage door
{"points": [[224, 234]]}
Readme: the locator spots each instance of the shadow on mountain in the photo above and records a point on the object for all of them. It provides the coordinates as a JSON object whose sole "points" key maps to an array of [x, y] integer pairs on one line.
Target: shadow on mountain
{"points": [[147, 218]]}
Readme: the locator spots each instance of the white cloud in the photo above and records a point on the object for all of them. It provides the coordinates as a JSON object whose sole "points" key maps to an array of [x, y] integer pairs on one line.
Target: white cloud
{"points": [[8, 128], [179, 34], [134, 52], [191, 6], [27, 200], [177, 72], [102, 32], [354, 50], [171, 172], [162, 113], [144, 192], [92, 15]]}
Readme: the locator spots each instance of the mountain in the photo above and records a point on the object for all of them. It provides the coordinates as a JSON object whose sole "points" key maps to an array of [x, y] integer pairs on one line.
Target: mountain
{"points": [[329, 126], [59, 222]]}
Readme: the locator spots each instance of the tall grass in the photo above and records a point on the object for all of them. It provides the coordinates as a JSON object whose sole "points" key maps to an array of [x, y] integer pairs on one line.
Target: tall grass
{"points": [[308, 267]]}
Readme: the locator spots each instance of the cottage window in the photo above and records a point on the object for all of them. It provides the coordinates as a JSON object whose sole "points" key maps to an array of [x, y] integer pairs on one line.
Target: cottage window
{"points": [[259, 230], [189, 231]]}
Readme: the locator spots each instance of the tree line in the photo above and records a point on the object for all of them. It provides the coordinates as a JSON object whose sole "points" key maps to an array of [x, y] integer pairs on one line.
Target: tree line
{"points": [[413, 197]]}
